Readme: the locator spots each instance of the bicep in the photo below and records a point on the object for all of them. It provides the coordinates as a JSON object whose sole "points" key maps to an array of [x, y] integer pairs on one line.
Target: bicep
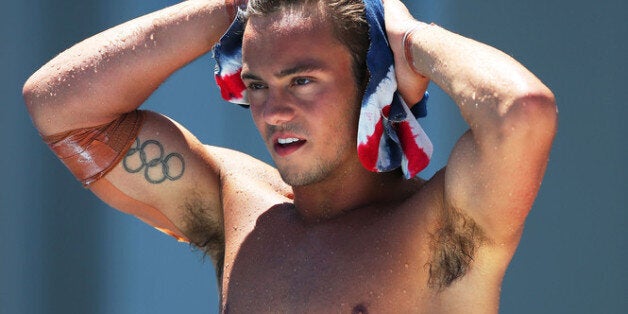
{"points": [[495, 179], [165, 173]]}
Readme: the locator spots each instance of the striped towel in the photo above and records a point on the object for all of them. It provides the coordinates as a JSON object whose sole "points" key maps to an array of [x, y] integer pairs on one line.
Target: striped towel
{"points": [[389, 135]]}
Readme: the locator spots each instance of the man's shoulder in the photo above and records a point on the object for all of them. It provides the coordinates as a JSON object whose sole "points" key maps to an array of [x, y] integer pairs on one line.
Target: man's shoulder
{"points": [[240, 172], [233, 162]]}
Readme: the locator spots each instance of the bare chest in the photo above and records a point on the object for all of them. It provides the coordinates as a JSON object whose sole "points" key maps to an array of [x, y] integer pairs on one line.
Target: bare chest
{"points": [[354, 265]]}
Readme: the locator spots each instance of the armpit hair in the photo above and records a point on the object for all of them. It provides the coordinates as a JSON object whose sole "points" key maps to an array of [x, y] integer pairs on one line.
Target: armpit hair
{"points": [[205, 230], [453, 246]]}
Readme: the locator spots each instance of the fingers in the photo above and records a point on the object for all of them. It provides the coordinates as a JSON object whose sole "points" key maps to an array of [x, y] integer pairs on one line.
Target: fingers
{"points": [[395, 11], [397, 19], [232, 7]]}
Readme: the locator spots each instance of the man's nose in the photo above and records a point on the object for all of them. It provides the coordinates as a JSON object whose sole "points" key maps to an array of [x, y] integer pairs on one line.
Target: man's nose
{"points": [[278, 108]]}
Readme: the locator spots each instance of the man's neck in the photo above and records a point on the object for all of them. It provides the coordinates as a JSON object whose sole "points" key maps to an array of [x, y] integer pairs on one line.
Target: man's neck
{"points": [[348, 191]]}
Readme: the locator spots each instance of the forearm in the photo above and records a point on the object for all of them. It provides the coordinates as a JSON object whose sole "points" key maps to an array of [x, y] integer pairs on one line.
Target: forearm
{"points": [[484, 82], [115, 71]]}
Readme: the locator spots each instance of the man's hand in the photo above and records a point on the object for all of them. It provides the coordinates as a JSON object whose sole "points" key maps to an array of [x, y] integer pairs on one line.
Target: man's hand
{"points": [[232, 7], [399, 21]]}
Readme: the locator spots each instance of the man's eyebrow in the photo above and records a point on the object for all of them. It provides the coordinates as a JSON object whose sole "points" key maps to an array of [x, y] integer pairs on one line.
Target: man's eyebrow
{"points": [[250, 76], [309, 66]]}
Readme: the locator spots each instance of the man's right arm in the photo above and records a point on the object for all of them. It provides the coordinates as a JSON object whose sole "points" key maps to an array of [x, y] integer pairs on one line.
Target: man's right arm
{"points": [[113, 72], [96, 82]]}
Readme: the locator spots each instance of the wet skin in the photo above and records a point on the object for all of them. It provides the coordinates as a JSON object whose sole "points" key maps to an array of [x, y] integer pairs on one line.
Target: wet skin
{"points": [[285, 256]]}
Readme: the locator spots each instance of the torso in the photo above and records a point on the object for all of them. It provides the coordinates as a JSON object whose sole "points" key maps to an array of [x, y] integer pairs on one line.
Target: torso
{"points": [[285, 265], [369, 260]]}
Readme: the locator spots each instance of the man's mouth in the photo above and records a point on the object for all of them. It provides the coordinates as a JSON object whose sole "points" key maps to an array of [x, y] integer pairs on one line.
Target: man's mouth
{"points": [[287, 141], [287, 145]]}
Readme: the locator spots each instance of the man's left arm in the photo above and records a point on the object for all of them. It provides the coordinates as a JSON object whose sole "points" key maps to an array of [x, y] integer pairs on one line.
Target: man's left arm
{"points": [[496, 168]]}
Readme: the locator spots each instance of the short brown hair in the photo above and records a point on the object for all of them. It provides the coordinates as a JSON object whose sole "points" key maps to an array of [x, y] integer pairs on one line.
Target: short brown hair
{"points": [[348, 20]]}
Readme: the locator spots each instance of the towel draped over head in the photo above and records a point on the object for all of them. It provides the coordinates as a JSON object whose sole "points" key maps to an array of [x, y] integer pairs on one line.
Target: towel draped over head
{"points": [[389, 135]]}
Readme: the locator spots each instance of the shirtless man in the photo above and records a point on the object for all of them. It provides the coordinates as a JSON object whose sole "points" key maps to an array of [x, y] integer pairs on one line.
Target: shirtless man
{"points": [[318, 233]]}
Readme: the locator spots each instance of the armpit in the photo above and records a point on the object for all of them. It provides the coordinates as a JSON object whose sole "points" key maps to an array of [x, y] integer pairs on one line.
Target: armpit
{"points": [[204, 227], [453, 246]]}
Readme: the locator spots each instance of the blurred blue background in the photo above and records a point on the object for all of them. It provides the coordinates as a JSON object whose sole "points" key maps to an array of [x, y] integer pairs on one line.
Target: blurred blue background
{"points": [[63, 251]]}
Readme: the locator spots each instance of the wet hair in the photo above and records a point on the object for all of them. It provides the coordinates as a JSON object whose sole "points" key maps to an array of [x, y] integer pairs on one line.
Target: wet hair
{"points": [[348, 19]]}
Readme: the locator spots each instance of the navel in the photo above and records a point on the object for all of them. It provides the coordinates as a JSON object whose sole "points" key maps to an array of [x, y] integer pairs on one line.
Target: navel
{"points": [[360, 309]]}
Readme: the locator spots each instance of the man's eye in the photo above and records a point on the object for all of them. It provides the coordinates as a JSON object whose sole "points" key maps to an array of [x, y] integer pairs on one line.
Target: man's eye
{"points": [[301, 81], [255, 86]]}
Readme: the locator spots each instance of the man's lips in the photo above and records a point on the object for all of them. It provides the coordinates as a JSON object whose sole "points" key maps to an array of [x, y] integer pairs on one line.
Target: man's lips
{"points": [[286, 145]]}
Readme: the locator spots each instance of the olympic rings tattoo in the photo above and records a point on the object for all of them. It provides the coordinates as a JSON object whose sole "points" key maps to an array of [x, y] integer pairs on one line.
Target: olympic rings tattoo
{"points": [[159, 161]]}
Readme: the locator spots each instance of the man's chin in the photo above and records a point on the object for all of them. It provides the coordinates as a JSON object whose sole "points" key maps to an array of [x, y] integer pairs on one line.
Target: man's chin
{"points": [[301, 178]]}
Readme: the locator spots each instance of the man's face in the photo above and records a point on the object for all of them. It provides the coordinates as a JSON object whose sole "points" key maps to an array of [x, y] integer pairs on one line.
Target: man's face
{"points": [[303, 95]]}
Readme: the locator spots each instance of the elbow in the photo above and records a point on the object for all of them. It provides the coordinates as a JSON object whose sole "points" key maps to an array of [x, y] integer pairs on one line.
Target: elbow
{"points": [[27, 91], [38, 97], [32, 95], [539, 106], [533, 114]]}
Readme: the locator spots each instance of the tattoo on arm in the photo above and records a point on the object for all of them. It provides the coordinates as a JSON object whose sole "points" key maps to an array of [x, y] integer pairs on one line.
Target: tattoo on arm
{"points": [[150, 158]]}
